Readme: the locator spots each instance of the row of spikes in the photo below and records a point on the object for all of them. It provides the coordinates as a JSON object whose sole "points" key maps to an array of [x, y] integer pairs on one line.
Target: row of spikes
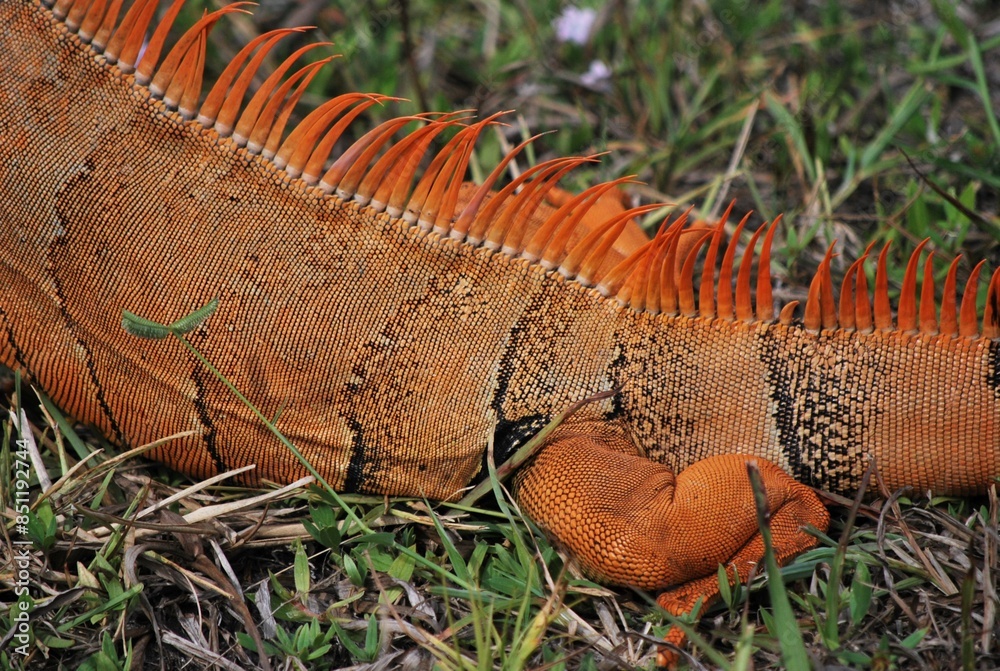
{"points": [[382, 173], [655, 279], [375, 170]]}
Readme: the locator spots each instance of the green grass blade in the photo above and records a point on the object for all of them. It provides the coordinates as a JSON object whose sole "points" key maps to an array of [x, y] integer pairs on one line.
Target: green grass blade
{"points": [[793, 649], [190, 322], [143, 328]]}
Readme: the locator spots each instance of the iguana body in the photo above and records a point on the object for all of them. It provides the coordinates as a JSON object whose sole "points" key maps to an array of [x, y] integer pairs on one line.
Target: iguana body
{"points": [[395, 354]]}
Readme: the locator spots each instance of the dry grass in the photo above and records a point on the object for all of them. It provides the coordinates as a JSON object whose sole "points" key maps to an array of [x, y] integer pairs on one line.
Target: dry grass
{"points": [[187, 576]]}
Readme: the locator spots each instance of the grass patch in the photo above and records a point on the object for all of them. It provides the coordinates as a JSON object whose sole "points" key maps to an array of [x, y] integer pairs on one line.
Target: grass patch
{"points": [[132, 571]]}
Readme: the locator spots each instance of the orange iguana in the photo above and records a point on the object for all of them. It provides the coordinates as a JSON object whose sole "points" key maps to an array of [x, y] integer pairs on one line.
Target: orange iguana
{"points": [[403, 321]]}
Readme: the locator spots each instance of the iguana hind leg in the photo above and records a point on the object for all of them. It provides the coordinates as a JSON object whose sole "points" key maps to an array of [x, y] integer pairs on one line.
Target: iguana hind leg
{"points": [[631, 521]]}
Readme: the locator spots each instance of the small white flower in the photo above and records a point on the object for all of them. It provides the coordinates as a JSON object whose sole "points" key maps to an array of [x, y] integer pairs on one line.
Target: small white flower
{"points": [[598, 77], [574, 24]]}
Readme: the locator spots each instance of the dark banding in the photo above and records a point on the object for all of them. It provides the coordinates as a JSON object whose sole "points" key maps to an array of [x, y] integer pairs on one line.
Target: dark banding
{"points": [[508, 437], [61, 241], [88, 357], [14, 347], [509, 434], [364, 453], [993, 364], [774, 356], [360, 457], [617, 371], [508, 364], [210, 434], [820, 386]]}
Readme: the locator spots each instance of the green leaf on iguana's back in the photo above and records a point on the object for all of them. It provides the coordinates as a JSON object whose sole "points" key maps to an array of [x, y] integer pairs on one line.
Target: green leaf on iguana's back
{"points": [[143, 328], [185, 325], [146, 328]]}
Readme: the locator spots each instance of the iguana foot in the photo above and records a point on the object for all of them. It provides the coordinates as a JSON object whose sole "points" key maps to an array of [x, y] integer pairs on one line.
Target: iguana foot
{"points": [[630, 521]]}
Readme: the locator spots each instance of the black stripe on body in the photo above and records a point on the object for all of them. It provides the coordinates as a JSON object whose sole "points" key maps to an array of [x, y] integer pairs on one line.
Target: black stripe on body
{"points": [[510, 434], [355, 480], [364, 460], [993, 372], [774, 355], [210, 434], [617, 372], [821, 388], [14, 347], [72, 327], [63, 222]]}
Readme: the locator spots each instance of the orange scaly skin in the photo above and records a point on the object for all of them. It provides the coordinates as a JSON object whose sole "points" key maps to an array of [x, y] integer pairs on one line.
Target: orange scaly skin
{"points": [[396, 352]]}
